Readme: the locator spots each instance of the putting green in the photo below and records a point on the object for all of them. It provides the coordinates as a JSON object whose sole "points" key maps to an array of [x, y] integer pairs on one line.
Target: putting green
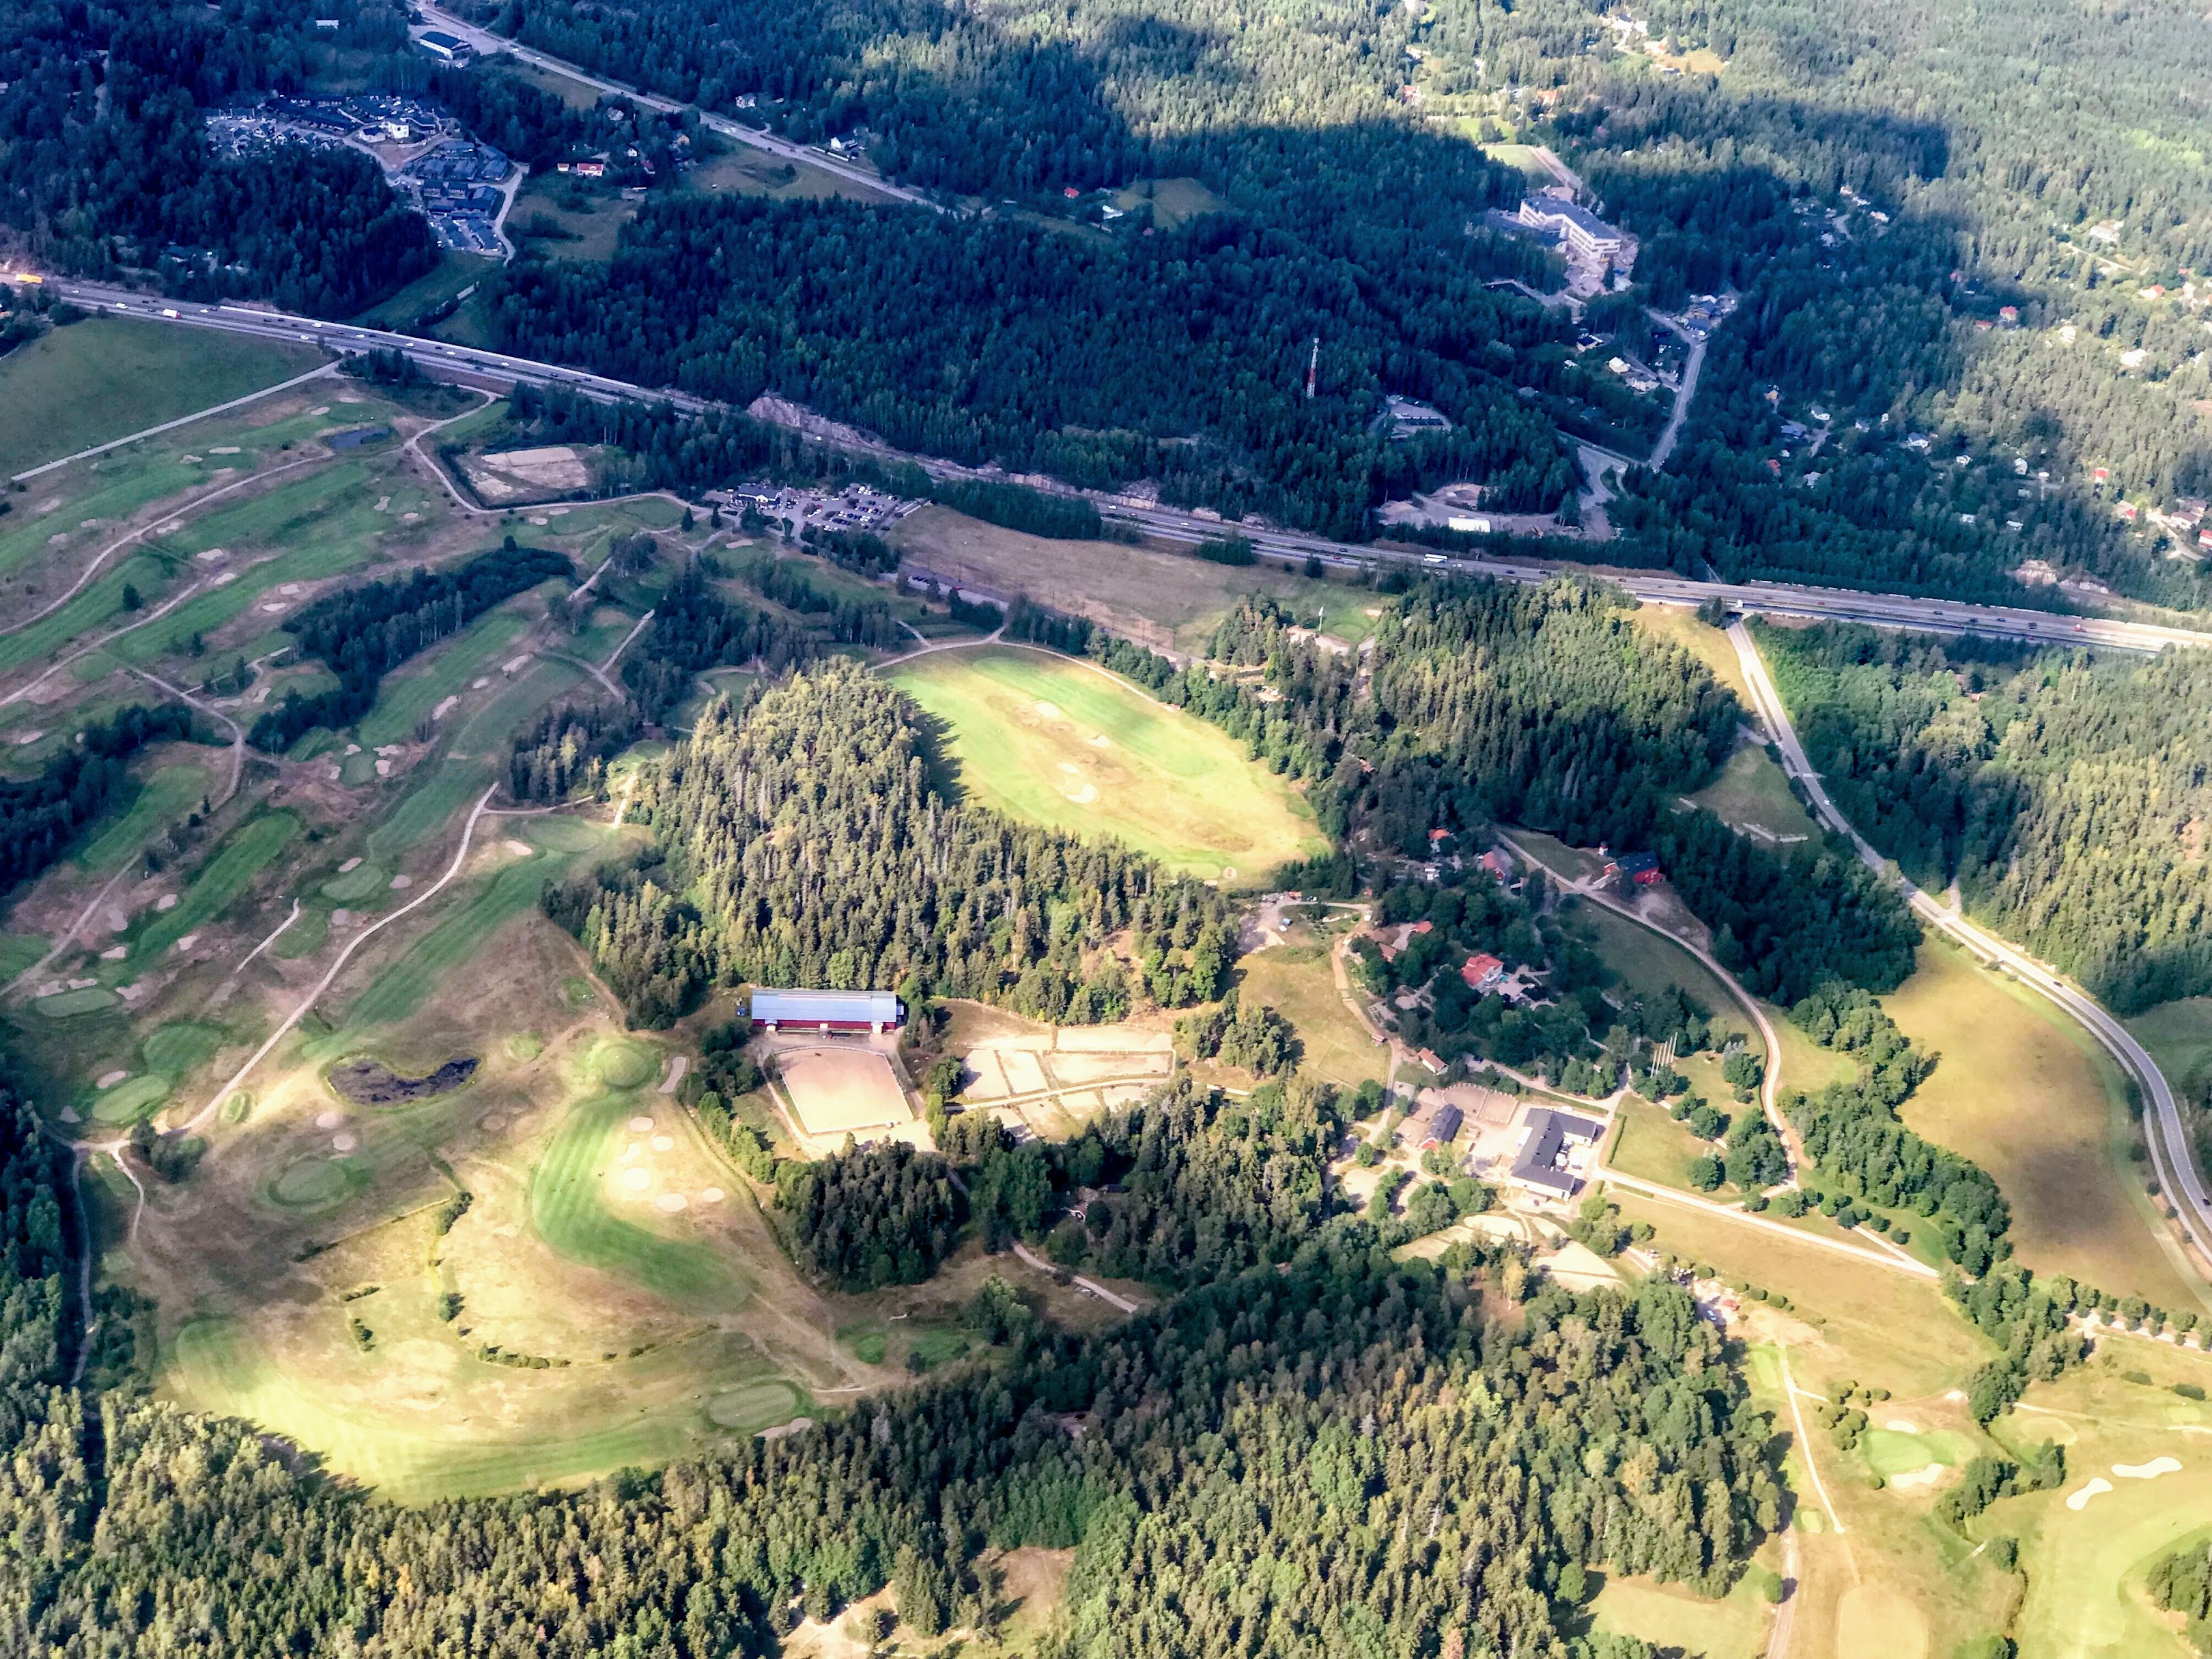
{"points": [[238, 1108], [356, 884], [622, 1065], [1889, 1453], [1062, 743], [313, 1182], [129, 1100], [755, 1407], [91, 999]]}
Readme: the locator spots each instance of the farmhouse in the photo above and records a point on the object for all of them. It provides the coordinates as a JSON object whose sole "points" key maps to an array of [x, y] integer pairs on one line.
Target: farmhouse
{"points": [[1552, 1151], [1642, 868], [828, 1011]]}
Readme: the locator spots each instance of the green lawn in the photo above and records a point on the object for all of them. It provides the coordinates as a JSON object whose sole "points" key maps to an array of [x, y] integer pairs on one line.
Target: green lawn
{"points": [[96, 606], [163, 799], [2180, 1037], [1648, 963], [1650, 1145], [110, 491], [1296, 981], [568, 1208], [220, 880], [454, 272], [108, 377], [1060, 743], [1752, 796], [406, 698]]}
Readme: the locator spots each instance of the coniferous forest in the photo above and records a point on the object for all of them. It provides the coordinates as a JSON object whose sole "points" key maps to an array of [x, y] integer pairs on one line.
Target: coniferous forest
{"points": [[2066, 795]]}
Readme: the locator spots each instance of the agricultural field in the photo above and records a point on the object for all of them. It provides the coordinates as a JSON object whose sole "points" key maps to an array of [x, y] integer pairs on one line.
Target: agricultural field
{"points": [[107, 377], [1062, 743], [2025, 1094], [1169, 601]]}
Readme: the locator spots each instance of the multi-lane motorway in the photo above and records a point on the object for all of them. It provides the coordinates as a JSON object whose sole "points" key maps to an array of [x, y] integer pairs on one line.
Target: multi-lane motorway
{"points": [[436, 357]]}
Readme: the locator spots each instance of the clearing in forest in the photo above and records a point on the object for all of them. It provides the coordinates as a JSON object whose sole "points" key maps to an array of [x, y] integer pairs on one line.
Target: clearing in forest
{"points": [[1062, 743], [2025, 1094]]}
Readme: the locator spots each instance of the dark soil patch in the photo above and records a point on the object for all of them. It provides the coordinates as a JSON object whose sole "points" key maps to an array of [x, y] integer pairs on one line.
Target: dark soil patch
{"points": [[372, 1083]]}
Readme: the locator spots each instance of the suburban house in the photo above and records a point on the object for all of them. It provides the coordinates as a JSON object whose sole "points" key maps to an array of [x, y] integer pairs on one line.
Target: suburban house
{"points": [[1554, 1151], [828, 1011], [1482, 972], [1499, 863]]}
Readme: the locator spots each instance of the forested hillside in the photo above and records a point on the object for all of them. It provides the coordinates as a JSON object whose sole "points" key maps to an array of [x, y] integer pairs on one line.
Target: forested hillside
{"points": [[805, 841], [2067, 796], [1547, 707], [104, 166]]}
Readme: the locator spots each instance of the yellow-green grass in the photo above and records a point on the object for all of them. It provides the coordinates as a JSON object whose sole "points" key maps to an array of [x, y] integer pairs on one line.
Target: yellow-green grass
{"points": [[475, 760], [107, 377], [1675, 1619], [1168, 600], [2027, 1095], [219, 1367], [592, 232], [1651, 1146], [1888, 1328], [1680, 626], [129, 1100], [1063, 744], [220, 881], [109, 491], [64, 1005], [1752, 794], [745, 171], [1174, 202], [1803, 1063], [398, 991], [1649, 963], [175, 1049], [1890, 1452], [362, 881], [1296, 981], [18, 951], [95, 606], [307, 935], [454, 272], [163, 799], [406, 699], [1574, 863], [2180, 1037], [568, 1210], [2085, 1567]]}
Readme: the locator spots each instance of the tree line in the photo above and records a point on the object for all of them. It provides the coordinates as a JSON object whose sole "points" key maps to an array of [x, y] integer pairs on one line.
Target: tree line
{"points": [[41, 814]]}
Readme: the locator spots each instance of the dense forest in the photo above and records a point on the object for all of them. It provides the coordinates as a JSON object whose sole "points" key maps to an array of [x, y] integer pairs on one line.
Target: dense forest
{"points": [[803, 842], [2066, 795], [104, 168], [363, 632], [40, 816]]}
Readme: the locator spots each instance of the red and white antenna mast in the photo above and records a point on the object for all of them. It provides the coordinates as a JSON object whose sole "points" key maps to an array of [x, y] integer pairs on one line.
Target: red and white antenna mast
{"points": [[1313, 365]]}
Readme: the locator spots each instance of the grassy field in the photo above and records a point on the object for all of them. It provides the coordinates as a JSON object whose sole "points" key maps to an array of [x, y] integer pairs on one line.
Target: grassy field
{"points": [[1752, 795], [220, 881], [453, 273], [1295, 979], [163, 799], [108, 377], [1174, 202], [1676, 1620], [81, 503], [1680, 626], [99, 602], [2026, 1095], [1648, 964], [2180, 1037], [1649, 1144], [1060, 743], [407, 698], [1170, 601], [590, 231], [569, 1210]]}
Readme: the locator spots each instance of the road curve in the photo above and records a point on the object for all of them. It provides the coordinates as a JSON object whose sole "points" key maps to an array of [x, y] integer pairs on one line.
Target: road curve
{"points": [[2170, 1151]]}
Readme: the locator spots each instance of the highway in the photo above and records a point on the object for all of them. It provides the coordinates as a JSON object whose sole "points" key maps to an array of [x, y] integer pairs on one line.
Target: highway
{"points": [[436, 357], [485, 44], [2171, 1154]]}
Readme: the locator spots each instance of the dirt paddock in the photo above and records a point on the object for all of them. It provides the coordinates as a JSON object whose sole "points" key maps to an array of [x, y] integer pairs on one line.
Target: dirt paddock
{"points": [[836, 1091]]}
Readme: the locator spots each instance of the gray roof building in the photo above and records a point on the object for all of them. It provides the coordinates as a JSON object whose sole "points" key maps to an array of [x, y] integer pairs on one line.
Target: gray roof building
{"points": [[1543, 1157]]}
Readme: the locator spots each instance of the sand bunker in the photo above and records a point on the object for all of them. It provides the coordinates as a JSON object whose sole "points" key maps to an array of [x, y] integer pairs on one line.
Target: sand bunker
{"points": [[663, 1143], [670, 1202], [2149, 1471], [354, 863], [1048, 710], [444, 708], [639, 1179], [519, 848], [344, 1143], [399, 882], [2079, 1501], [641, 1125], [1902, 1426], [372, 1083], [329, 1119], [166, 902], [109, 1080], [1927, 1476], [711, 1195]]}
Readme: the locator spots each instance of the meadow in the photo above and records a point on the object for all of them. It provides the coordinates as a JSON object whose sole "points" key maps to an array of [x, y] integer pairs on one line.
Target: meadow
{"points": [[2026, 1095], [1752, 796], [107, 377], [1296, 981], [1062, 742]]}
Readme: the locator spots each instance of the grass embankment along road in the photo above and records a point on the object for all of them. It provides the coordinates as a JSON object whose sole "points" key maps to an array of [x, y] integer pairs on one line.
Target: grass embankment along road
{"points": [[1062, 742], [107, 377]]}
